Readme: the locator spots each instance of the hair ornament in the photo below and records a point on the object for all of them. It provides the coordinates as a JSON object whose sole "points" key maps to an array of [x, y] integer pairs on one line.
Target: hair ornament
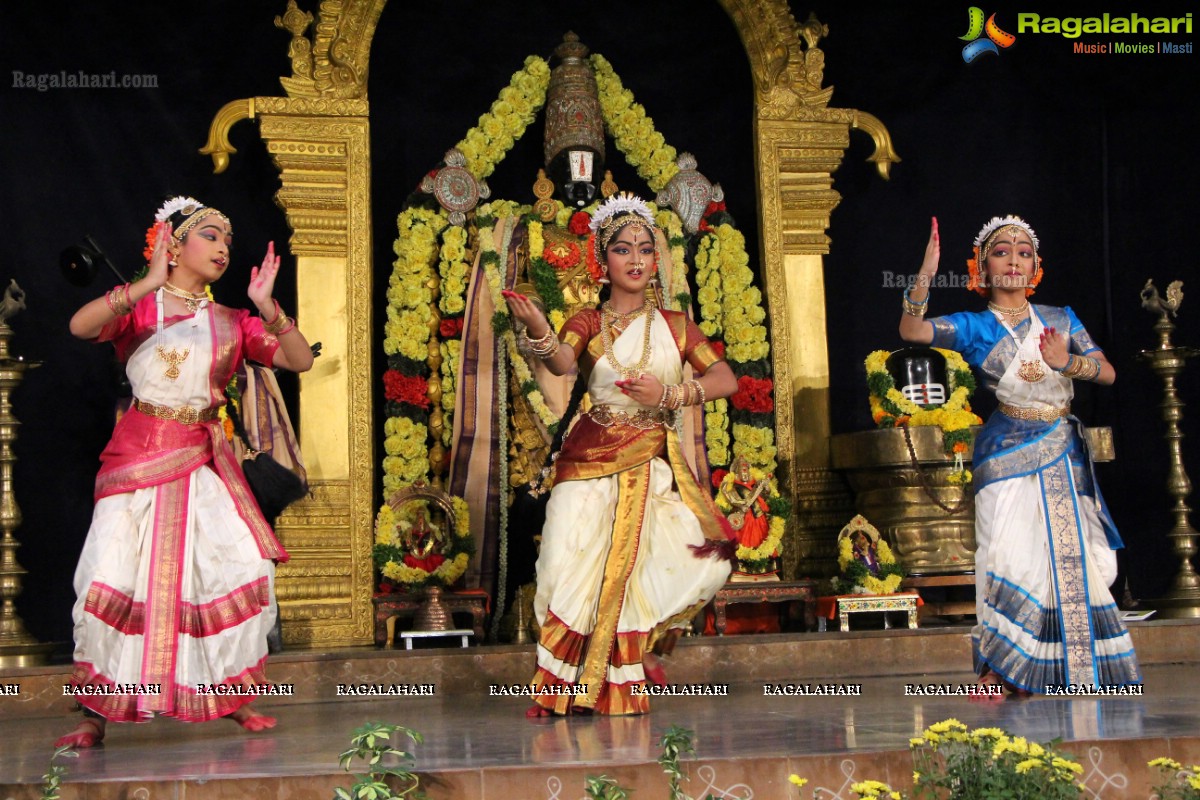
{"points": [[625, 204], [995, 223], [180, 204]]}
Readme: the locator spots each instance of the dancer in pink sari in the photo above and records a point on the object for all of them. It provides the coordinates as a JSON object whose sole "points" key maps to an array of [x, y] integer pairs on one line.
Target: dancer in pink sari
{"points": [[175, 579]]}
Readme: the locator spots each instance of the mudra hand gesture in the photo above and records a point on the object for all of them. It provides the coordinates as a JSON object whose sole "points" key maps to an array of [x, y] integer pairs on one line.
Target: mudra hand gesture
{"points": [[527, 312], [645, 388], [262, 283], [1054, 348], [158, 271], [929, 265]]}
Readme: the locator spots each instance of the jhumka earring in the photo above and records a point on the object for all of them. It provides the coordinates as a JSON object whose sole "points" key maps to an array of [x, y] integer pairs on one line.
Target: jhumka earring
{"points": [[603, 274]]}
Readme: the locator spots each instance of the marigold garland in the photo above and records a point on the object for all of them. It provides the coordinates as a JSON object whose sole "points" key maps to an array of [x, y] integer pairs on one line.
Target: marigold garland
{"points": [[633, 132], [487, 143]]}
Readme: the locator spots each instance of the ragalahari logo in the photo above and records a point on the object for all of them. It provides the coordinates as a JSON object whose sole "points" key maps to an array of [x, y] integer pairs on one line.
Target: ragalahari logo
{"points": [[976, 27]]}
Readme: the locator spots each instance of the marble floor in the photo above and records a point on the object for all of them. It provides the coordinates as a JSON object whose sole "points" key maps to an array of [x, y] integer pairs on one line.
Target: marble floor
{"points": [[463, 732]]}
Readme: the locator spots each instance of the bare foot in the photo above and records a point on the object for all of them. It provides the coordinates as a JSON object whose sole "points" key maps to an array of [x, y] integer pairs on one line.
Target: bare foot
{"points": [[535, 712], [251, 720], [654, 669], [88, 733]]}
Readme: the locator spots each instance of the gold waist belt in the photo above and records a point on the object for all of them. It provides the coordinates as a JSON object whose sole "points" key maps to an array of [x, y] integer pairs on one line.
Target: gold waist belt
{"points": [[187, 415], [644, 419], [1043, 414]]}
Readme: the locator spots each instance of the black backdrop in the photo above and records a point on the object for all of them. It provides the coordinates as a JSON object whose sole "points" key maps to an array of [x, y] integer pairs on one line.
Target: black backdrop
{"points": [[1095, 150]]}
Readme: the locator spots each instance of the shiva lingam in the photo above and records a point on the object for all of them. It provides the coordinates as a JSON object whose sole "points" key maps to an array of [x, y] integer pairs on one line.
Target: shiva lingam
{"points": [[1168, 360], [17, 647]]}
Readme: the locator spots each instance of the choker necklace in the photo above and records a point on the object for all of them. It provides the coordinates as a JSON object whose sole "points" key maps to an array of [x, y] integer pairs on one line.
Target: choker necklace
{"points": [[1011, 313], [193, 300], [624, 318]]}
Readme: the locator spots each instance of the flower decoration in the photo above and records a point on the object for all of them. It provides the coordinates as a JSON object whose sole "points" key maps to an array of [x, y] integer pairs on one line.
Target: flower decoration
{"points": [[949, 759], [487, 143], [151, 238], [398, 565], [563, 257], [580, 223], [857, 577], [890, 408]]}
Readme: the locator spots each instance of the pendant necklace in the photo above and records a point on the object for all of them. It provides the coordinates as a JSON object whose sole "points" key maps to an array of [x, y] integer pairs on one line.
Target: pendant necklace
{"points": [[193, 300], [172, 357], [1029, 371]]}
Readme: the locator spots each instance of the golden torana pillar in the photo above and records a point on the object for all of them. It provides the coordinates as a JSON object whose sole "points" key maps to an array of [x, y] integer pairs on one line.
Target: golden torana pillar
{"points": [[799, 144], [319, 138]]}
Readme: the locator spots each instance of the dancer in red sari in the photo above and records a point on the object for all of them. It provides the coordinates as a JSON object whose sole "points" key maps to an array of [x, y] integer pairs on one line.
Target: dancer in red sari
{"points": [[175, 579]]}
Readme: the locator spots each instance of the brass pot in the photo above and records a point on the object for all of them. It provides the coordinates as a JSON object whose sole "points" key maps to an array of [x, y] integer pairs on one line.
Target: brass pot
{"points": [[926, 539]]}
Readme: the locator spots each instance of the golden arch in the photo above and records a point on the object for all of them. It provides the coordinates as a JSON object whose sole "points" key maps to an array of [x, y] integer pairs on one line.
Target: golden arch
{"points": [[318, 137]]}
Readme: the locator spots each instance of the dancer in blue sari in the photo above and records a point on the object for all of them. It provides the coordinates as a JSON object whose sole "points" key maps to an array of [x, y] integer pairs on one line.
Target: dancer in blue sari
{"points": [[1046, 542]]}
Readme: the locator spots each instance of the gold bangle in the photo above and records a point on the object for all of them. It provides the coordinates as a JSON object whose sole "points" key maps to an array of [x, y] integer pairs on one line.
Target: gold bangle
{"points": [[280, 323], [700, 389], [117, 299], [913, 308]]}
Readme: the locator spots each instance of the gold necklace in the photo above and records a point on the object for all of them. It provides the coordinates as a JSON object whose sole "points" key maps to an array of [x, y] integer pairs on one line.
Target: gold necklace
{"points": [[190, 299], [1010, 313], [608, 318], [626, 317]]}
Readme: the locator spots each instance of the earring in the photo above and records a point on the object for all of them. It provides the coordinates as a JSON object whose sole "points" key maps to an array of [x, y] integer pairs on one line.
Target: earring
{"points": [[603, 274], [172, 262]]}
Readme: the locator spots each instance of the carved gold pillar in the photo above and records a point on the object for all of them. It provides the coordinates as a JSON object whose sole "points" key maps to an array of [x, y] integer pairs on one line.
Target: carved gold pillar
{"points": [[800, 142], [319, 138]]}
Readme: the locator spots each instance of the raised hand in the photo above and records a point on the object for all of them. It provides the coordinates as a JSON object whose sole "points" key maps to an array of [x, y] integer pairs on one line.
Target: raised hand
{"points": [[527, 311], [933, 255], [158, 271], [262, 283]]}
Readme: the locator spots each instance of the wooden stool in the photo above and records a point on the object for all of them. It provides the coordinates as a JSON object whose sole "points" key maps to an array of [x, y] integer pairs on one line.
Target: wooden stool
{"points": [[765, 592]]}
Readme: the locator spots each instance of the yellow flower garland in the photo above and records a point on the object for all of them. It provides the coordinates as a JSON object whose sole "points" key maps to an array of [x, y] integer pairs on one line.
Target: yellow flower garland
{"points": [[487, 143], [671, 225], [633, 132], [871, 583], [952, 416]]}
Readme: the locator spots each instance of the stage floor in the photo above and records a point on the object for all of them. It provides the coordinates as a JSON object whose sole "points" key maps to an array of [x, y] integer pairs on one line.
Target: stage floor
{"points": [[482, 746]]}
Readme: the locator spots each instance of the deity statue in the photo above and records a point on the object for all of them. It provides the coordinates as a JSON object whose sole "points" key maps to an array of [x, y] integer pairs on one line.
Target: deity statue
{"points": [[865, 551], [421, 540], [750, 516]]}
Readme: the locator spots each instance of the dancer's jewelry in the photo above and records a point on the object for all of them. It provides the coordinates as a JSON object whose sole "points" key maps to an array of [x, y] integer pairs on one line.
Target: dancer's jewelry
{"points": [[607, 319], [192, 300], [173, 358], [546, 346], [1084, 368], [913, 308], [281, 324], [118, 300], [1011, 314]]}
